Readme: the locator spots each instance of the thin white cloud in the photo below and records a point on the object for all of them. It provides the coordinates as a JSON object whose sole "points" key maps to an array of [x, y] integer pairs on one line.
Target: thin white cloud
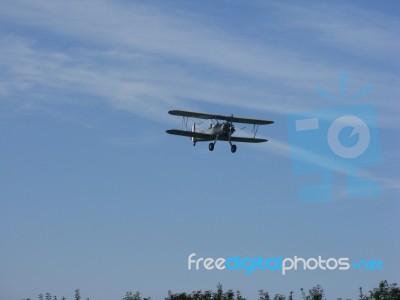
{"points": [[145, 59], [286, 150], [348, 27]]}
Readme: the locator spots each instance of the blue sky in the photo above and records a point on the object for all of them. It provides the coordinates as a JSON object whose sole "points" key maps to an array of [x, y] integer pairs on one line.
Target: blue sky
{"points": [[95, 195]]}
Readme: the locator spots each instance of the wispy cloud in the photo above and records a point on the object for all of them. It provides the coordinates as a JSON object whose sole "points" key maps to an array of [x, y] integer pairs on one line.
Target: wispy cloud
{"points": [[146, 59], [283, 149]]}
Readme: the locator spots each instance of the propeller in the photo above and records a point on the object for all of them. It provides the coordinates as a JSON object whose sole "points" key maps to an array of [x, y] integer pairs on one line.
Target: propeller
{"points": [[231, 126]]}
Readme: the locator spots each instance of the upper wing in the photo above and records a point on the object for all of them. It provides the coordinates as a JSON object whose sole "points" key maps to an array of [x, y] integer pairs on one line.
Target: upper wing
{"points": [[191, 114], [197, 135]]}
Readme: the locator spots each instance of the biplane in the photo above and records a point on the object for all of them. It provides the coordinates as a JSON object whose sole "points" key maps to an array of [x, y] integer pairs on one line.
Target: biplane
{"points": [[217, 131]]}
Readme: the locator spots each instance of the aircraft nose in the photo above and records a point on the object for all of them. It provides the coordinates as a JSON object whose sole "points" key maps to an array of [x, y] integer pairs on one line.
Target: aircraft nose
{"points": [[228, 126]]}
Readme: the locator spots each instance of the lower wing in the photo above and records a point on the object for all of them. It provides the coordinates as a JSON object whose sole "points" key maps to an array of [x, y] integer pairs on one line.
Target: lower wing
{"points": [[210, 137], [243, 139], [197, 135]]}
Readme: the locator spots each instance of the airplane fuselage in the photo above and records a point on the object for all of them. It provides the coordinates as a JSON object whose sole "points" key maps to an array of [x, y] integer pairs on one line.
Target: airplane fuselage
{"points": [[218, 130]]}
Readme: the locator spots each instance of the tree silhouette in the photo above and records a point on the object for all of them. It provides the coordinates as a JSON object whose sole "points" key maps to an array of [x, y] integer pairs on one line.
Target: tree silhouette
{"points": [[239, 296], [219, 294], [179, 296], [385, 291], [290, 295], [362, 296], [77, 294], [263, 295], [131, 296], [316, 293]]}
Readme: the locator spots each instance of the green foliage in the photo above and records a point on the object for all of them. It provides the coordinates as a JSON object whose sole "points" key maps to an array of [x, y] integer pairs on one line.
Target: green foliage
{"points": [[219, 294], [131, 296], [362, 296], [290, 295], [263, 295], [384, 291], [179, 296], [199, 295], [239, 296], [316, 293]]}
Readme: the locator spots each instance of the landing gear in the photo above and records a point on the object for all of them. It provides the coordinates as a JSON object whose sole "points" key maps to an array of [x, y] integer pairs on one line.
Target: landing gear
{"points": [[233, 148], [211, 146]]}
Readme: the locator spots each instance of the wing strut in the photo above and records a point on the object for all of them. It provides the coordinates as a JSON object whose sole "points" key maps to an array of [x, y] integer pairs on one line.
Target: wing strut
{"points": [[185, 121], [255, 129]]}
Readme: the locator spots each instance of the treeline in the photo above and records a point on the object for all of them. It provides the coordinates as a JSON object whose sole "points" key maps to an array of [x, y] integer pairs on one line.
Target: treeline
{"points": [[384, 291]]}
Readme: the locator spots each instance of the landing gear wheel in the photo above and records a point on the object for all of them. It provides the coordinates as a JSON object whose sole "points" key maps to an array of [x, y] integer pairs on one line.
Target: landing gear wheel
{"points": [[233, 148], [211, 146]]}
